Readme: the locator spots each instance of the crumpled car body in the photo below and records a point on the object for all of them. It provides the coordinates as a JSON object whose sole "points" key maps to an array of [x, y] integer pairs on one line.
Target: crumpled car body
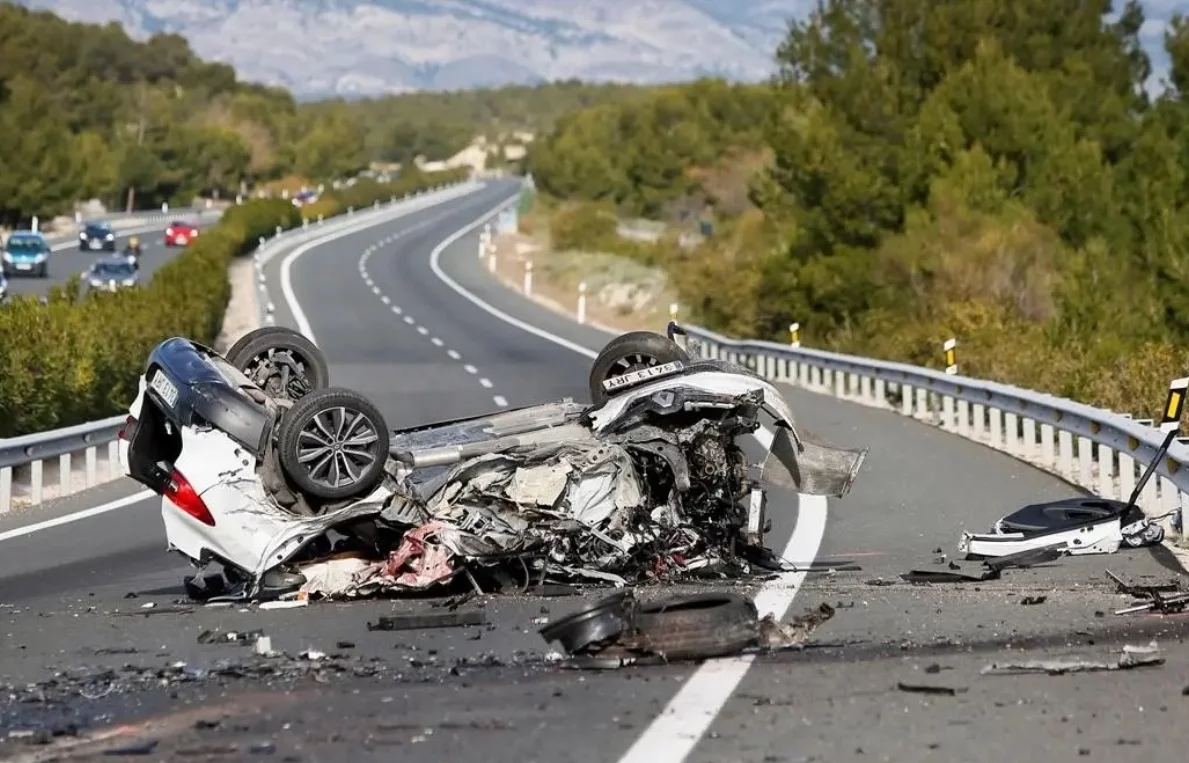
{"points": [[652, 483]]}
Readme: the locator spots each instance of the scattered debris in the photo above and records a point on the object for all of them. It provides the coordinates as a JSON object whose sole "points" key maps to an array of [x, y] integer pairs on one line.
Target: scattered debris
{"points": [[229, 637], [1141, 657], [140, 748], [949, 691], [1163, 599], [1030, 601], [461, 619], [619, 630], [285, 604]]}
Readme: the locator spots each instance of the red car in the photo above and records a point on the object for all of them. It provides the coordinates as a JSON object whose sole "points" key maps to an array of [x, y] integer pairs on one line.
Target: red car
{"points": [[180, 234]]}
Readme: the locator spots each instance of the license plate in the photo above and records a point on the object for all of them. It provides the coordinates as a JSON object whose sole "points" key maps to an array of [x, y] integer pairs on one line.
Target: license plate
{"points": [[633, 378], [165, 388], [95, 244], [24, 266]]}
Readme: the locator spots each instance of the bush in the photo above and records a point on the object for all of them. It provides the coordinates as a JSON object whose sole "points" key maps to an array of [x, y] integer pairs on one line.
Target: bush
{"points": [[77, 358]]}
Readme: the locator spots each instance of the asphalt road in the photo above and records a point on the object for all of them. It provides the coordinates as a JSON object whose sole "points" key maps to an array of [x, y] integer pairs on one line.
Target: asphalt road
{"points": [[67, 260], [71, 597]]}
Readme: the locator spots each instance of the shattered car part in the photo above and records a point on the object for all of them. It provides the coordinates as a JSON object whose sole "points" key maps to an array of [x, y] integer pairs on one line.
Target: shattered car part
{"points": [[650, 484], [1129, 659], [620, 630], [1080, 525]]}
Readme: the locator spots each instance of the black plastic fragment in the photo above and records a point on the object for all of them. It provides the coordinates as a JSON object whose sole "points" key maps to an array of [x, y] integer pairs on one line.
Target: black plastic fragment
{"points": [[458, 619], [948, 691]]}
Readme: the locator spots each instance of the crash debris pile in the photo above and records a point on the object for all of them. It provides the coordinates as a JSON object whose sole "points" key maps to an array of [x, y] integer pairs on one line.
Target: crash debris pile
{"points": [[640, 498], [620, 630]]}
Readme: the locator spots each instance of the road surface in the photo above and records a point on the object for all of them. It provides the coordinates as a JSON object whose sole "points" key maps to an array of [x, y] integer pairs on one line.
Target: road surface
{"points": [[72, 597]]}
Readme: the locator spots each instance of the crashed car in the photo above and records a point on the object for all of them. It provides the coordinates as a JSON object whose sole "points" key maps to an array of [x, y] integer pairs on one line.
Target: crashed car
{"points": [[292, 486]]}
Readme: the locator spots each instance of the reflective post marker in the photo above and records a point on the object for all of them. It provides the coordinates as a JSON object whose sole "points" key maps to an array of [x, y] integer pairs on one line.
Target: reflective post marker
{"points": [[1175, 406], [795, 334], [673, 311], [528, 278], [951, 356], [582, 302]]}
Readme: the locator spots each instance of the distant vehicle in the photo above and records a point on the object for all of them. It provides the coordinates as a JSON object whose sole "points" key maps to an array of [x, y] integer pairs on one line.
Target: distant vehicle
{"points": [[97, 235], [180, 234], [113, 273], [26, 251]]}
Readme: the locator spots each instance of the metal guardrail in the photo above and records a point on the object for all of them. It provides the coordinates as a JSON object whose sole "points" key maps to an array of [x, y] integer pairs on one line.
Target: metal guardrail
{"points": [[22, 459], [1099, 450]]}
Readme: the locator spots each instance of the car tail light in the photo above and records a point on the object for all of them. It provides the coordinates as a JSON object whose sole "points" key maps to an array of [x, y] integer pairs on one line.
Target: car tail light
{"points": [[126, 431], [185, 497]]}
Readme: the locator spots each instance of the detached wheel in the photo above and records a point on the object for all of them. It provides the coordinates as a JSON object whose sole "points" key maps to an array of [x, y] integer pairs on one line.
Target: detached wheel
{"points": [[631, 352], [333, 444], [282, 361]]}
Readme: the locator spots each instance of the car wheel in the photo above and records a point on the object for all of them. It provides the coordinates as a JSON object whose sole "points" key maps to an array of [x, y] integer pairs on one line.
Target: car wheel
{"points": [[283, 362], [333, 444], [631, 352], [43, 271]]}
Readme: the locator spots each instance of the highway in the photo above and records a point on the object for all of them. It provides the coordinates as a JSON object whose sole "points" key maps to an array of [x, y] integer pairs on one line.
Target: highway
{"points": [[67, 260], [407, 317]]}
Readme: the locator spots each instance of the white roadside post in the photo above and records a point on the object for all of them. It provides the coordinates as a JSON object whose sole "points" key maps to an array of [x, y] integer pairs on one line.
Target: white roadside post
{"points": [[528, 278], [491, 259], [582, 302], [34, 225], [950, 348]]}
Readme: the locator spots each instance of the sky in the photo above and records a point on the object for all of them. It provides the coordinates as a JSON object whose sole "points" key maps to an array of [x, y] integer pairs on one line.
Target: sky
{"points": [[1157, 13]]}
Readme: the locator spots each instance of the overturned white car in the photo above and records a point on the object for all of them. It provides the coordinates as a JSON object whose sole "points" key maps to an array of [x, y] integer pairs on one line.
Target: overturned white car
{"points": [[291, 485]]}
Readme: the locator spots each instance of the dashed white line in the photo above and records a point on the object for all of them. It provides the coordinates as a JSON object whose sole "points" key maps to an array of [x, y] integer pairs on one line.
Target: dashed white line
{"points": [[454, 354], [409, 320], [486, 383], [422, 330], [470, 369], [384, 298], [436, 342], [500, 401], [396, 309]]}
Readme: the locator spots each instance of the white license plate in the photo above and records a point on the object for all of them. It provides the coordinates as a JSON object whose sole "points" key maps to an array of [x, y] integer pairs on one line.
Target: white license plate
{"points": [[644, 374], [96, 244], [24, 266], [164, 387]]}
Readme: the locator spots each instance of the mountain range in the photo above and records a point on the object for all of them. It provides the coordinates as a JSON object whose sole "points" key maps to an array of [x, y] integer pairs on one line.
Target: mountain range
{"points": [[319, 48]]}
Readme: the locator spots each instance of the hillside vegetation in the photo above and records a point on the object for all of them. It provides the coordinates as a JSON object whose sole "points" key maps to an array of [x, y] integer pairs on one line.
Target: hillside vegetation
{"points": [[87, 112], [986, 169]]}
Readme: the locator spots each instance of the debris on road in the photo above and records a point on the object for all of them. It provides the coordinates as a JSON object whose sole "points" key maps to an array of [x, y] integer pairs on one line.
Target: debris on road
{"points": [[460, 619], [229, 637], [619, 630], [948, 691], [1168, 599], [1132, 657]]}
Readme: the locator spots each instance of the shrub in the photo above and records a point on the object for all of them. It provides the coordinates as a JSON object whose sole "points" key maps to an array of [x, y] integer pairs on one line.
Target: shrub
{"points": [[78, 357]]}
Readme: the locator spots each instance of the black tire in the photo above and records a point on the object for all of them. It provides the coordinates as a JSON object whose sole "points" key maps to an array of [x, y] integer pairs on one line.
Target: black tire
{"points": [[320, 465], [43, 271], [697, 627], [282, 361], [631, 352]]}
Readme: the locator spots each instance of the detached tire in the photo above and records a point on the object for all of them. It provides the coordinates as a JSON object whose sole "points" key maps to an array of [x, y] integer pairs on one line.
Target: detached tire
{"points": [[333, 444], [697, 627], [282, 361], [631, 352]]}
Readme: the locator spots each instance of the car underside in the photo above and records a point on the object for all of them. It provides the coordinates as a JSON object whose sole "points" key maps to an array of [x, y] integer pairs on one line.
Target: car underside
{"points": [[288, 486]]}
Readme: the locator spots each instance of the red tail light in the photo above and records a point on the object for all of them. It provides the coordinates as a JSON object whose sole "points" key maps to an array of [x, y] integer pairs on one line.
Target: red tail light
{"points": [[126, 431], [185, 497]]}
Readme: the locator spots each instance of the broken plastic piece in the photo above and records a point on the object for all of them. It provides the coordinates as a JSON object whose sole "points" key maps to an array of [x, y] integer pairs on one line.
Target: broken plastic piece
{"points": [[459, 619], [1126, 661]]}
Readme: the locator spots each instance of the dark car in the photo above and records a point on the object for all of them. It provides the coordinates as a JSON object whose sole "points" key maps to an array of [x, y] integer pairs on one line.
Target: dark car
{"points": [[112, 273], [97, 236]]}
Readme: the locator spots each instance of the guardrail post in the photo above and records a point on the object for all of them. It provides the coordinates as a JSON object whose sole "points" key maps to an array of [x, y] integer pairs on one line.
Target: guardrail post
{"points": [[947, 412], [1106, 471], [1169, 498], [35, 475], [1046, 446], [5, 489], [996, 428], [881, 393], [1029, 450], [865, 389], [92, 467], [1126, 476], [906, 398], [1085, 462], [581, 312], [978, 421], [963, 417], [64, 473], [114, 468], [528, 278], [921, 410], [1065, 454], [1011, 434]]}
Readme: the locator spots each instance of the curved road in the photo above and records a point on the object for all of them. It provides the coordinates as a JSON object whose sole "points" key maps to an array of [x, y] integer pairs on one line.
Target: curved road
{"points": [[397, 323]]}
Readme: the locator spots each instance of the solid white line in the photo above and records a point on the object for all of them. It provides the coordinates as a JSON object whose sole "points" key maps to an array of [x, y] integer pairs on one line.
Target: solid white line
{"points": [[20, 532], [676, 731], [486, 383], [501, 401]]}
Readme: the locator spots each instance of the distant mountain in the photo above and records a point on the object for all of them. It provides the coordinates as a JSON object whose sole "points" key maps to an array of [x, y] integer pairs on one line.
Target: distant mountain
{"points": [[356, 47]]}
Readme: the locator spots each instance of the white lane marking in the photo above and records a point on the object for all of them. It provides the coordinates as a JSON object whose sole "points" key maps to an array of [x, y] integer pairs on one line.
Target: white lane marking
{"points": [[470, 369], [501, 401], [384, 298], [409, 320], [286, 276], [422, 330], [676, 731], [486, 383], [454, 354], [95, 511], [396, 309], [436, 342]]}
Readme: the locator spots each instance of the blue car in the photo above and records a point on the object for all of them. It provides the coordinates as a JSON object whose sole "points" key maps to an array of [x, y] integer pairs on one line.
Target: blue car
{"points": [[26, 252], [96, 235]]}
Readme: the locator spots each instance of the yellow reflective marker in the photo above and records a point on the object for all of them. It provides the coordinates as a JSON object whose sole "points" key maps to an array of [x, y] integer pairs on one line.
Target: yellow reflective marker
{"points": [[795, 334], [951, 356], [1175, 405]]}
